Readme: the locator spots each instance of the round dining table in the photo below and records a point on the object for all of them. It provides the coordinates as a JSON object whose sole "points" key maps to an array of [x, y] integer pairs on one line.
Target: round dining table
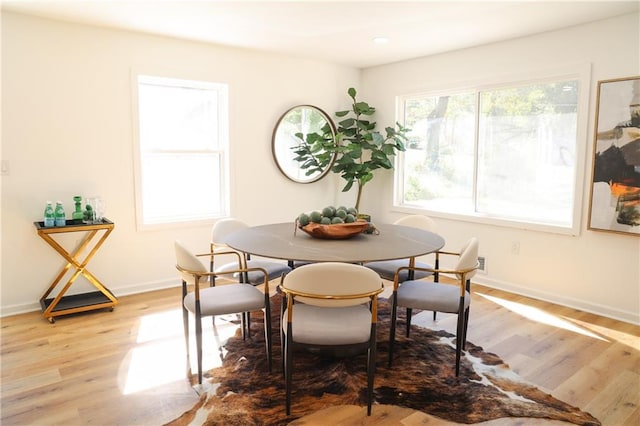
{"points": [[284, 241]]}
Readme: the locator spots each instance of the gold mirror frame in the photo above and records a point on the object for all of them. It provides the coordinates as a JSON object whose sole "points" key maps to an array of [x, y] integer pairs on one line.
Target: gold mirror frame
{"points": [[296, 121]]}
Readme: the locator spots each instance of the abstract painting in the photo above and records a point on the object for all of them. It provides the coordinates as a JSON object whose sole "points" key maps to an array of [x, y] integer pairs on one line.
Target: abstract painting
{"points": [[615, 179]]}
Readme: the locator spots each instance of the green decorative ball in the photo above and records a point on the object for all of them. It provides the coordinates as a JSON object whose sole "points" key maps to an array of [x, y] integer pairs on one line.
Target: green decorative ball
{"points": [[304, 219], [315, 216], [329, 211]]}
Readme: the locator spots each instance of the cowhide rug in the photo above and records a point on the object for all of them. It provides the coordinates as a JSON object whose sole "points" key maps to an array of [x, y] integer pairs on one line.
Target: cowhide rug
{"points": [[422, 378]]}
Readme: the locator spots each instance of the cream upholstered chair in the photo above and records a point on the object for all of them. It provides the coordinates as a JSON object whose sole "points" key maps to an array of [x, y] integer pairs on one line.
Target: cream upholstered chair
{"points": [[435, 296], [330, 306], [217, 300], [221, 229], [387, 268]]}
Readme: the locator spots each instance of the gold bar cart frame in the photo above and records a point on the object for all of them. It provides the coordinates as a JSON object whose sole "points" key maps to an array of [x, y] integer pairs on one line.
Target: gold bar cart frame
{"points": [[65, 305]]}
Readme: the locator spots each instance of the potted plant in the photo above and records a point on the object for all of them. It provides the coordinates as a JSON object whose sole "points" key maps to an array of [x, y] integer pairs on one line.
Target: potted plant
{"points": [[359, 148]]}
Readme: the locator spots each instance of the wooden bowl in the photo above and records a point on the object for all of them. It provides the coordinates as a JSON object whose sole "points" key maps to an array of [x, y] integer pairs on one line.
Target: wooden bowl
{"points": [[336, 231]]}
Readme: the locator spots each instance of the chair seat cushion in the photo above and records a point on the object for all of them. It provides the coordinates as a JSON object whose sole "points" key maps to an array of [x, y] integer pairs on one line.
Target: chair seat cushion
{"points": [[329, 326], [387, 269], [274, 270], [431, 296], [226, 299]]}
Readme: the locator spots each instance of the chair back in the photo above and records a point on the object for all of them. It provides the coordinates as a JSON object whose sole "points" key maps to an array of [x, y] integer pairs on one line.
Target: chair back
{"points": [[332, 284], [187, 261], [418, 221], [222, 228], [469, 257]]}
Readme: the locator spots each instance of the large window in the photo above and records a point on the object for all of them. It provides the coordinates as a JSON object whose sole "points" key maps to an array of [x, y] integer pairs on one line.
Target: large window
{"points": [[506, 154], [182, 150]]}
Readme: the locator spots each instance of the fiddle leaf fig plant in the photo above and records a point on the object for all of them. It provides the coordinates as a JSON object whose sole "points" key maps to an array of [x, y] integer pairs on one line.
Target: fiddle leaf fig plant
{"points": [[360, 148]]}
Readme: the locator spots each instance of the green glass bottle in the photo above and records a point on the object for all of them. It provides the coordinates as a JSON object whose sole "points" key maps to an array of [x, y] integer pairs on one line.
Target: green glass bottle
{"points": [[59, 214], [77, 214], [49, 216]]}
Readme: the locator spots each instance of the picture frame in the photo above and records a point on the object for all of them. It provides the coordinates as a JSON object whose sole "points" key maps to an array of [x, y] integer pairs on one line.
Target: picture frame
{"points": [[614, 202]]}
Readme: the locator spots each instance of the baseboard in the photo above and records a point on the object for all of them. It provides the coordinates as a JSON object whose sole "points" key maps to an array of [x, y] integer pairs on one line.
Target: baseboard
{"points": [[146, 287], [602, 310], [582, 305], [17, 309]]}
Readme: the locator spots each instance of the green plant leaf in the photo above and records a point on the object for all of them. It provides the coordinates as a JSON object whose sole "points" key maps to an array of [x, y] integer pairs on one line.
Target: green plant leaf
{"points": [[363, 108], [389, 149], [366, 178], [354, 154], [377, 138], [349, 122], [362, 125]]}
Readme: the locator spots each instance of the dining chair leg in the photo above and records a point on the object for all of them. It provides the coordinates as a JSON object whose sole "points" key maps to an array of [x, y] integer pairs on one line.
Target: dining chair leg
{"points": [[268, 332], [459, 334], [212, 278], [283, 306], [466, 316], [199, 346], [466, 326], [409, 314], [371, 367], [185, 326], [243, 323], [212, 283], [288, 363], [436, 277], [458, 352], [392, 331]]}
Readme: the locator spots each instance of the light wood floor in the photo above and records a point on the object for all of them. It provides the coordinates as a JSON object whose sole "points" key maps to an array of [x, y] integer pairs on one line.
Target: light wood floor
{"points": [[127, 367]]}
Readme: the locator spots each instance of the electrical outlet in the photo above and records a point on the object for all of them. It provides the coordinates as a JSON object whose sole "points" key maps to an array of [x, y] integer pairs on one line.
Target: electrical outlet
{"points": [[482, 264]]}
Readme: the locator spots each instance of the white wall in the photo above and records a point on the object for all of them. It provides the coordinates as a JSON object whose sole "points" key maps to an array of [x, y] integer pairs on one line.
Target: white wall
{"points": [[594, 271], [67, 130]]}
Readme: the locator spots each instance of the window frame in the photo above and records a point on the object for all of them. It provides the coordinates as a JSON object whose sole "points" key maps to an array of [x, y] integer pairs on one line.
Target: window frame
{"points": [[223, 148], [581, 73]]}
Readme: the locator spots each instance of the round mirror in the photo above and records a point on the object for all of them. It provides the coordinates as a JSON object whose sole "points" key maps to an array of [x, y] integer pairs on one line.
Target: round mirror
{"points": [[302, 143]]}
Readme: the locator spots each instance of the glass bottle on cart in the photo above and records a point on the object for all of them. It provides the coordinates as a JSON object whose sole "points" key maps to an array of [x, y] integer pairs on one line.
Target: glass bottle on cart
{"points": [[60, 216], [49, 216], [77, 215]]}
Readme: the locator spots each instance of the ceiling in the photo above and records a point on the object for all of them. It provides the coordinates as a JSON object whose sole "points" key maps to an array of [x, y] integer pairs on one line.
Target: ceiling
{"points": [[334, 31]]}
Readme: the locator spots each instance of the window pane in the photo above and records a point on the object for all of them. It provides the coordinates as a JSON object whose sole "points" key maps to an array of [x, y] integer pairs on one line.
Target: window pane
{"points": [[177, 118], [182, 143], [181, 187], [438, 162], [505, 153], [526, 145]]}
